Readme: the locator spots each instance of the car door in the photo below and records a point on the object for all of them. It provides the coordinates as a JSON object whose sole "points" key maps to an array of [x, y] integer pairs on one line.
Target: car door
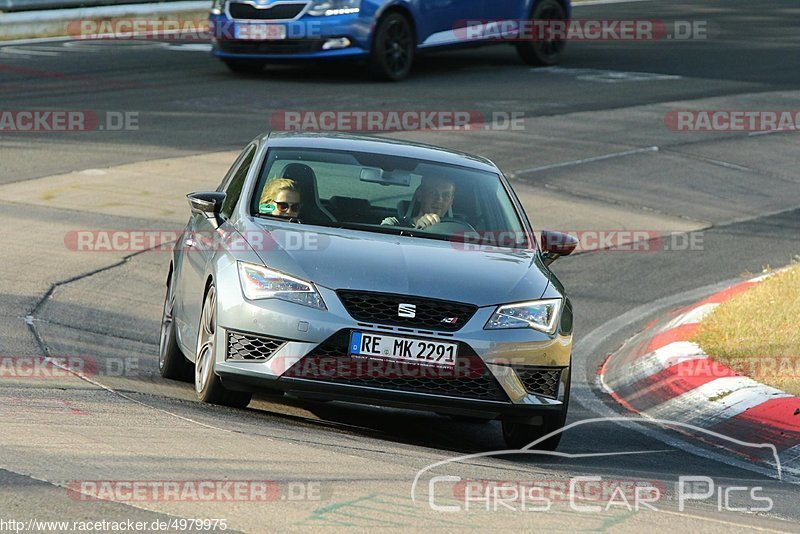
{"points": [[199, 245], [439, 19]]}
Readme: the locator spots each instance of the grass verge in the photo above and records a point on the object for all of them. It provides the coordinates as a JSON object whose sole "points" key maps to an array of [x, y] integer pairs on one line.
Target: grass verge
{"points": [[757, 333]]}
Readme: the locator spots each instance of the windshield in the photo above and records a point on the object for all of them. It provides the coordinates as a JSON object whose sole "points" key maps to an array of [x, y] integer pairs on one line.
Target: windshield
{"points": [[387, 194]]}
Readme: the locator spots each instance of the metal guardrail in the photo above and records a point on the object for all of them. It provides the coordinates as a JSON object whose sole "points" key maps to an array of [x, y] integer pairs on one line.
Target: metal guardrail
{"points": [[29, 5]]}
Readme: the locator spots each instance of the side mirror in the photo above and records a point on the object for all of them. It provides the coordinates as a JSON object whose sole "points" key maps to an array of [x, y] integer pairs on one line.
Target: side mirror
{"points": [[557, 244], [208, 204]]}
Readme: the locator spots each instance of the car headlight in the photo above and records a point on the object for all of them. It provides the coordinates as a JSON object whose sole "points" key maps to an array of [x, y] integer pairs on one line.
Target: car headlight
{"points": [[540, 315], [258, 282], [327, 8]]}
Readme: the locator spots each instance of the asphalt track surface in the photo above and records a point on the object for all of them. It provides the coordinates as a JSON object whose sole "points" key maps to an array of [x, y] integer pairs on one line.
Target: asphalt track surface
{"points": [[743, 189]]}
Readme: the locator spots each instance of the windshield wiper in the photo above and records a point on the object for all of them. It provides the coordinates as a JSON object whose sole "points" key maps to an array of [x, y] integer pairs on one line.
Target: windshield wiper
{"points": [[381, 229], [378, 229], [393, 230]]}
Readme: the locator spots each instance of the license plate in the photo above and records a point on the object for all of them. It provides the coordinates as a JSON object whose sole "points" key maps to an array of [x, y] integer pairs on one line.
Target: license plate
{"points": [[260, 32], [403, 348]]}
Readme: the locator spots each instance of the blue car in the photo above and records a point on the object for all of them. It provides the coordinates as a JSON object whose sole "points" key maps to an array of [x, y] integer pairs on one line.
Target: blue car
{"points": [[385, 34]]}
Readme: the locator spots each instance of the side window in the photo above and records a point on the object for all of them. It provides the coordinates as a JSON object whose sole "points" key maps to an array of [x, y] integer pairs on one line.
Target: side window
{"points": [[233, 187], [229, 175]]}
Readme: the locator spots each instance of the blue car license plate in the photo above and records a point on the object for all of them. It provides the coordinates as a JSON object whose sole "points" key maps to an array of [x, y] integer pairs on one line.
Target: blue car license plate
{"points": [[259, 31]]}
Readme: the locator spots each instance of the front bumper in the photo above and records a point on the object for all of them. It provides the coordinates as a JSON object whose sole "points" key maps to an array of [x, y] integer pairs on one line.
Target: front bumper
{"points": [[508, 372], [305, 38], [327, 391]]}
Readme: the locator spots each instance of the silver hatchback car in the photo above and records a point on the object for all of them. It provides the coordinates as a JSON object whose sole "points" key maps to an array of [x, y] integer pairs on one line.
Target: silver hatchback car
{"points": [[357, 269]]}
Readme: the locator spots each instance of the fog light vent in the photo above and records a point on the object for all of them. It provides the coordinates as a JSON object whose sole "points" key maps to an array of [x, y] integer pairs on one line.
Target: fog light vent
{"points": [[333, 44], [251, 347], [542, 382]]}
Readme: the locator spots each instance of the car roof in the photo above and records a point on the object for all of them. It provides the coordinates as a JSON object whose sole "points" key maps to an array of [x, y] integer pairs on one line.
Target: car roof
{"points": [[377, 145]]}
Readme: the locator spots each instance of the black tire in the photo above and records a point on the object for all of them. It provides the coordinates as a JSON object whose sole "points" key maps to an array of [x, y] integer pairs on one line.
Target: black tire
{"points": [[393, 48], [244, 66], [207, 384], [544, 52], [172, 363], [518, 435]]}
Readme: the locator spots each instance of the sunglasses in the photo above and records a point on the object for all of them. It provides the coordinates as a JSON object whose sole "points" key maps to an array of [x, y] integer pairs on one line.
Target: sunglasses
{"points": [[288, 206]]}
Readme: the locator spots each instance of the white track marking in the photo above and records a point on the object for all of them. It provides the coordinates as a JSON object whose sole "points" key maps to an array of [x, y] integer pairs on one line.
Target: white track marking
{"points": [[196, 47], [607, 76], [716, 401], [26, 51], [693, 316], [587, 160], [763, 277], [655, 362], [601, 2]]}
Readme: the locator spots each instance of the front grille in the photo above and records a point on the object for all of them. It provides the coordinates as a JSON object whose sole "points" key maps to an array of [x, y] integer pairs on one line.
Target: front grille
{"points": [[286, 46], [330, 362], [250, 347], [239, 10], [540, 381], [382, 308]]}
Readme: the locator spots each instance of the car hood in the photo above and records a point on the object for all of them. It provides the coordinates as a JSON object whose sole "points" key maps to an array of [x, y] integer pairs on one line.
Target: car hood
{"points": [[347, 259]]}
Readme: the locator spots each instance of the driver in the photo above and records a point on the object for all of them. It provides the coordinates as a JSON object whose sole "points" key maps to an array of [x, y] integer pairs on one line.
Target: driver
{"points": [[280, 199], [431, 201]]}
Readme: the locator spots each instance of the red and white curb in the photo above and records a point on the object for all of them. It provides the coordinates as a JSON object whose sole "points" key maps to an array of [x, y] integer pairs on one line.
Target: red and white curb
{"points": [[660, 374]]}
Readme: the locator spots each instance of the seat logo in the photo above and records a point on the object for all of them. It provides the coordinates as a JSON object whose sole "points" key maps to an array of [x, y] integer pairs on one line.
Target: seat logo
{"points": [[407, 310]]}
